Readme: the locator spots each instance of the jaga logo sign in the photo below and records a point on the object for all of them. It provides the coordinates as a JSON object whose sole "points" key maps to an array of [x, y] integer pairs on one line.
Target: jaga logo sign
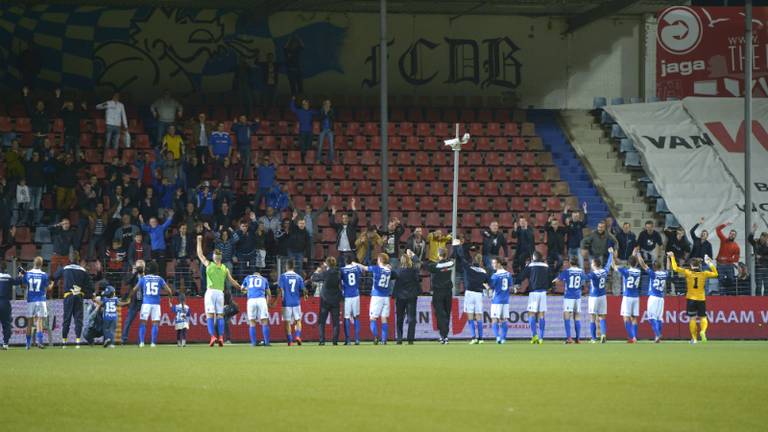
{"points": [[679, 30]]}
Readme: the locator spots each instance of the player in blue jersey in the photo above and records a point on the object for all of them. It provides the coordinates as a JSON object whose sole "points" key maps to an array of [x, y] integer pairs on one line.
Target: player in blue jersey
{"points": [[110, 303], [150, 285], [291, 289], [380, 292], [597, 303], [257, 288], [573, 279], [630, 302], [37, 283], [181, 320], [657, 282], [351, 275], [539, 281], [500, 287]]}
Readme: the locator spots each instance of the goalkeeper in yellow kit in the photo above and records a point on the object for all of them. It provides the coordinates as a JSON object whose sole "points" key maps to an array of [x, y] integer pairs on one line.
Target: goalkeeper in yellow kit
{"points": [[695, 295]]}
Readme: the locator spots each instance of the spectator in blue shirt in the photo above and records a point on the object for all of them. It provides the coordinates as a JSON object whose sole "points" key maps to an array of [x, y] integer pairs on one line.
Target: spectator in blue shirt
{"points": [[304, 116], [266, 173], [243, 131], [220, 143], [205, 202], [278, 198], [156, 233], [326, 129]]}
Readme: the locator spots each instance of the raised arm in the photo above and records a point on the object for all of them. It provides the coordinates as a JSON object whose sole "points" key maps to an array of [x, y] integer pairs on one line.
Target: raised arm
{"points": [[673, 262], [712, 273], [200, 254]]}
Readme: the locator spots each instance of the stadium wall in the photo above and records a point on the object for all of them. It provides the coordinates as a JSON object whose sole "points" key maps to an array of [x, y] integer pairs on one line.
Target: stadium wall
{"points": [[519, 60], [732, 317]]}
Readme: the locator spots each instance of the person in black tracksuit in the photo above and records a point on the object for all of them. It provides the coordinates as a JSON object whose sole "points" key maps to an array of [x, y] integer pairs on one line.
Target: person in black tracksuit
{"points": [[475, 278], [406, 292], [442, 292], [135, 303], [330, 297], [7, 282], [77, 283]]}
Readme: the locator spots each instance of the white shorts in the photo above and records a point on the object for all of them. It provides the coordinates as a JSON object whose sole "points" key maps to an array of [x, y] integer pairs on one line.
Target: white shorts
{"points": [[473, 302], [597, 305], [151, 311], [292, 313], [257, 309], [655, 308], [379, 307], [630, 306], [214, 301], [537, 301], [500, 311], [572, 305], [37, 309], [351, 307]]}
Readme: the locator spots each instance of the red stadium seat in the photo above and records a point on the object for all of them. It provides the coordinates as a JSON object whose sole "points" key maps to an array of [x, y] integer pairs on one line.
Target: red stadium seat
{"points": [[518, 144], [431, 143], [28, 252], [329, 235], [482, 174], [400, 188], [423, 129], [353, 128], [23, 124], [494, 129], [356, 173], [433, 220], [499, 174], [446, 174], [427, 204], [440, 159], [473, 188], [484, 115], [320, 172], [527, 189], [5, 124], [444, 203], [506, 220], [545, 189], [476, 129], [468, 220], [406, 129], [414, 219], [368, 158], [492, 159], [421, 158], [372, 203], [508, 189], [535, 204], [23, 235], [300, 173], [483, 144], [510, 159], [517, 204], [443, 130], [395, 143], [338, 172], [327, 188], [410, 174], [517, 174], [371, 129], [403, 158], [363, 188], [528, 159], [536, 174], [409, 203], [554, 205], [511, 130], [474, 159]]}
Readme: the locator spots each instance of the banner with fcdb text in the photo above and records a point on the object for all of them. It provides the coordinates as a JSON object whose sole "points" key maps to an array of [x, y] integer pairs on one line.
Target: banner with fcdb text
{"points": [[700, 52]]}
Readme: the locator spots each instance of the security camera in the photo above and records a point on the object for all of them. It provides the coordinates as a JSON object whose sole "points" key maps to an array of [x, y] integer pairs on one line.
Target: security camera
{"points": [[456, 143]]}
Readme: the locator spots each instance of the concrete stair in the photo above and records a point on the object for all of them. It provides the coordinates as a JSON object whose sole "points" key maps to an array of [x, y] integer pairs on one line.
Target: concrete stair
{"points": [[617, 185]]}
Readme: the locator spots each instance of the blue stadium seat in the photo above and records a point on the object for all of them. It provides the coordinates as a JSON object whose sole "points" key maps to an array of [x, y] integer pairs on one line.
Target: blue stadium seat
{"points": [[672, 98], [671, 221], [653, 99], [617, 132], [599, 102], [661, 206], [42, 235], [625, 145], [635, 99], [617, 101], [651, 192], [605, 118], [632, 160]]}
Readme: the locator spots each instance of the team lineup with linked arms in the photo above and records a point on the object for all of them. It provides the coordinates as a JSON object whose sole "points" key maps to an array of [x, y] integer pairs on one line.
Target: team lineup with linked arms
{"points": [[395, 279]]}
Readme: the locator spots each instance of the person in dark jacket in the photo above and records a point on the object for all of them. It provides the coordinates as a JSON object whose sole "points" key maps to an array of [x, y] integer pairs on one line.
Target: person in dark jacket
{"points": [[330, 297], [555, 244], [71, 117], [183, 250], [574, 222], [36, 178], [406, 292], [442, 291], [760, 246], [299, 243], [63, 237], [525, 243], [135, 298], [475, 278], [493, 242], [7, 282], [346, 232], [392, 236], [701, 245], [539, 281], [627, 242], [304, 116], [77, 284]]}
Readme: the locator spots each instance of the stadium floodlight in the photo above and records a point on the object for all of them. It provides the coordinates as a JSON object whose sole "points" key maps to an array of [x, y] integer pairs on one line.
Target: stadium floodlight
{"points": [[455, 145]]}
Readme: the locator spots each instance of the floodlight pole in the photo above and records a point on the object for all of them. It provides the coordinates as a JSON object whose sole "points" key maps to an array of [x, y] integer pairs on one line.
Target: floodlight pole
{"points": [[748, 256], [455, 145], [383, 108]]}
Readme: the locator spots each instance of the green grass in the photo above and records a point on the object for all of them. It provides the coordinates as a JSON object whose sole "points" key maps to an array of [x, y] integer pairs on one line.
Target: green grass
{"points": [[425, 387]]}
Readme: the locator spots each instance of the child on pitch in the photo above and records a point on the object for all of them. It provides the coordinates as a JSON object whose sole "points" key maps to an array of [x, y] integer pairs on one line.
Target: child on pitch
{"points": [[110, 303], [181, 320]]}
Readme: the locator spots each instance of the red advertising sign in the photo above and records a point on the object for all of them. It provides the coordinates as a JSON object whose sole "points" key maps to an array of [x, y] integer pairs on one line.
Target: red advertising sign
{"points": [[700, 52]]}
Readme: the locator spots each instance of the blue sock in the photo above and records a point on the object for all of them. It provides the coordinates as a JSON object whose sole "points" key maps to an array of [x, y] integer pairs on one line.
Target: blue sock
{"points": [[220, 325], [265, 333], [542, 323], [628, 327], [211, 329], [346, 331], [659, 323], [252, 334], [634, 330], [289, 335], [155, 328], [374, 328], [603, 327], [479, 328], [504, 330], [142, 331], [40, 337], [577, 325], [532, 323], [496, 330], [298, 333], [29, 340], [384, 332], [567, 328], [357, 329], [593, 330], [474, 330]]}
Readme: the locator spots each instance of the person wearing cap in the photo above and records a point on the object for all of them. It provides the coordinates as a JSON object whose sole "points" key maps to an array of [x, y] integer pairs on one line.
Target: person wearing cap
{"points": [[216, 274], [110, 303]]}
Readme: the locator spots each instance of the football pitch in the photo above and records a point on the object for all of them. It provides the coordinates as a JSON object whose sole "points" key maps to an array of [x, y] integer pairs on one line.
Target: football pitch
{"points": [[429, 387]]}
